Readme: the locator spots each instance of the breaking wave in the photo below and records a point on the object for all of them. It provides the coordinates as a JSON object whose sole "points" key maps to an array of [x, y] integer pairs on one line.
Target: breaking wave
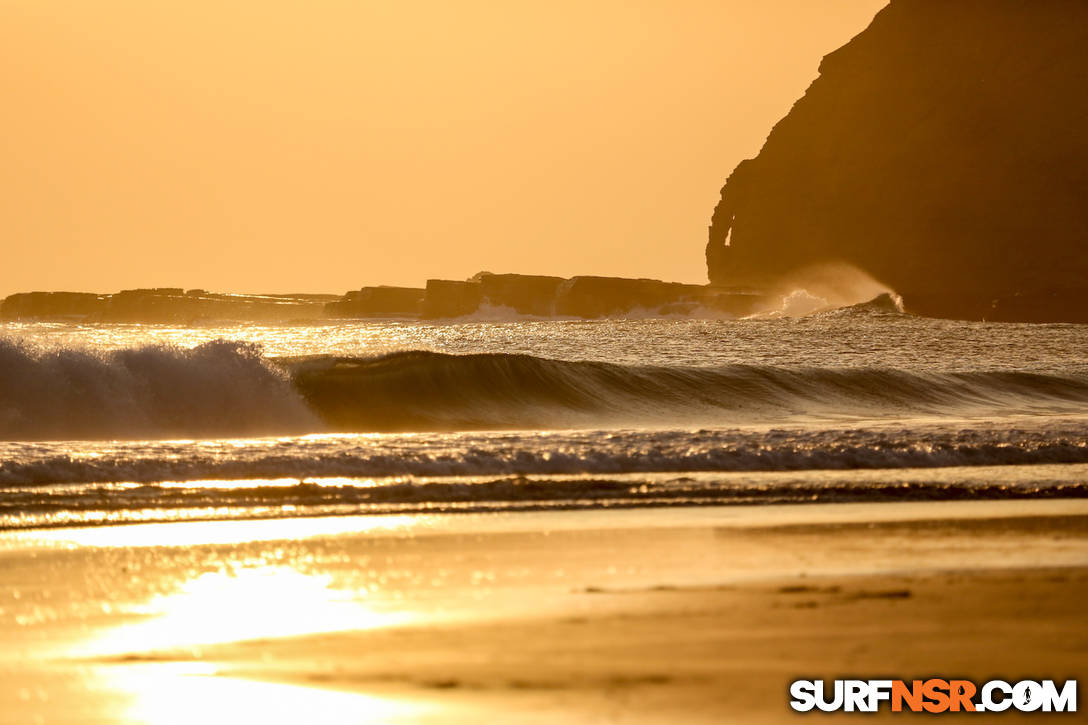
{"points": [[428, 391], [555, 453], [218, 388], [226, 388]]}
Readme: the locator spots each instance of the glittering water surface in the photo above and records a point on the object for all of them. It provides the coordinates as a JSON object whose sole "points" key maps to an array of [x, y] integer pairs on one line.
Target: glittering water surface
{"points": [[840, 339]]}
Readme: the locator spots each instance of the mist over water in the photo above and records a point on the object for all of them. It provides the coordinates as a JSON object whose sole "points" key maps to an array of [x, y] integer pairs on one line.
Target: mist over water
{"points": [[99, 423]]}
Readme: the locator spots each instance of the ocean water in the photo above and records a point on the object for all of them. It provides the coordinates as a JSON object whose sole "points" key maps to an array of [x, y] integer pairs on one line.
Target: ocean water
{"points": [[122, 423]]}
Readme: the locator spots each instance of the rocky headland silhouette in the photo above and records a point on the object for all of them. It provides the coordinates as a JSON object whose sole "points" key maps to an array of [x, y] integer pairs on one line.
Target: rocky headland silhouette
{"points": [[944, 151]]}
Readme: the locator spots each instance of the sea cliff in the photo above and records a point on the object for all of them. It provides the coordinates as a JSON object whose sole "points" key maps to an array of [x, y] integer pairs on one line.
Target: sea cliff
{"points": [[943, 151]]}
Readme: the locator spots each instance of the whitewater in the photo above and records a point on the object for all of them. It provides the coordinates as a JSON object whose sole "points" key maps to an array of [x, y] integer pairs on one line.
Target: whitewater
{"points": [[115, 423]]}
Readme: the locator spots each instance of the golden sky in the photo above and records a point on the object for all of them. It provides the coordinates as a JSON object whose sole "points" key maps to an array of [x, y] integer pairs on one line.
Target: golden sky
{"points": [[275, 146]]}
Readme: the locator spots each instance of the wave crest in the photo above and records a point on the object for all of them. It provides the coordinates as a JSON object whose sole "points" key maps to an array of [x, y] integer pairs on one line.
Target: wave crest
{"points": [[428, 391], [218, 388]]}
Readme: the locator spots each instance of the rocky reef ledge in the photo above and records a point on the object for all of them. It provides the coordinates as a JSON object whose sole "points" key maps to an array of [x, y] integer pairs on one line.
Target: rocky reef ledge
{"points": [[943, 151], [484, 294], [162, 305], [542, 296]]}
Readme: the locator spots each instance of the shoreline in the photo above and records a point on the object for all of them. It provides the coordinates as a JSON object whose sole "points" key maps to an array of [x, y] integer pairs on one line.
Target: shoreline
{"points": [[320, 497]]}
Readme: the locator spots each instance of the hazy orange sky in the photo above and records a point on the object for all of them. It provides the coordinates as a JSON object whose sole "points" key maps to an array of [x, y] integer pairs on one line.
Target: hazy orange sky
{"points": [[265, 145]]}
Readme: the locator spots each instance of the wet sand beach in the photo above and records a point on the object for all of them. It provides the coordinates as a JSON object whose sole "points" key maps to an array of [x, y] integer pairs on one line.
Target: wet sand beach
{"points": [[641, 616]]}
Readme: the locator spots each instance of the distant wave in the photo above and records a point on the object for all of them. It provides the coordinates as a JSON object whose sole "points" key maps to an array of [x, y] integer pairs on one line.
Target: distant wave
{"points": [[801, 303], [798, 303], [886, 303], [226, 388]]}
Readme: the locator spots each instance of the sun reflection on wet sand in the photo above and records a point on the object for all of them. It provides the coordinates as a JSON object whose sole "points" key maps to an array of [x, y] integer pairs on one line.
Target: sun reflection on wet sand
{"points": [[239, 604], [181, 693], [234, 605]]}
